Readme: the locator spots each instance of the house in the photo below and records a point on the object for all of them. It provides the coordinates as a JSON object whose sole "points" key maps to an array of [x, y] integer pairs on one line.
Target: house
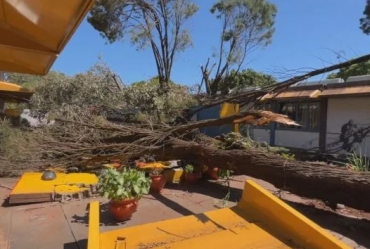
{"points": [[334, 114]]}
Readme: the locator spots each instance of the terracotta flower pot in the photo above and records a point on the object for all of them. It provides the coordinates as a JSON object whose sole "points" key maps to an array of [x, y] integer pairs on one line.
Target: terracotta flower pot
{"points": [[191, 177], [213, 173], [158, 182], [123, 210], [116, 163]]}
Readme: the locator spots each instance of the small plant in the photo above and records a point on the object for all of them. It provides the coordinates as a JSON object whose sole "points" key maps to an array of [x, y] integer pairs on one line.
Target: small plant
{"points": [[288, 156], [191, 175], [128, 184], [156, 171], [158, 180], [357, 162], [189, 168], [224, 173]]}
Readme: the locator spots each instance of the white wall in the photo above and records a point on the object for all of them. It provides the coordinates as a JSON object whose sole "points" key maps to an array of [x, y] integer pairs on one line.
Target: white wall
{"points": [[261, 135], [340, 111], [296, 139]]}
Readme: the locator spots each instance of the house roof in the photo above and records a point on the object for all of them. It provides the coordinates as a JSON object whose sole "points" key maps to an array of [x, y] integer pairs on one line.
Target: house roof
{"points": [[354, 86], [33, 33], [346, 91], [290, 94]]}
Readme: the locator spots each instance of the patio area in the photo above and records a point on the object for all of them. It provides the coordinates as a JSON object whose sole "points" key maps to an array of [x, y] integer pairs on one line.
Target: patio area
{"points": [[65, 225]]}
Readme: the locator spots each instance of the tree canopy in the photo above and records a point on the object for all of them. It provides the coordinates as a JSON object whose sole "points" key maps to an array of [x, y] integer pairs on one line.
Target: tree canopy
{"points": [[144, 96], [245, 78], [158, 24], [365, 21], [362, 68], [246, 25]]}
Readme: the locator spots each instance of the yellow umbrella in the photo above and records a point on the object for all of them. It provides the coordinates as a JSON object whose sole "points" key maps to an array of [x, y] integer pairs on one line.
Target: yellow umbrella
{"points": [[14, 93], [34, 32]]}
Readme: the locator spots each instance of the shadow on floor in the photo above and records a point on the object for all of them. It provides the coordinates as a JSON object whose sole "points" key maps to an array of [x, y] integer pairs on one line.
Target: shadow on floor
{"points": [[214, 189], [357, 230], [105, 218], [76, 245], [5, 202], [172, 204]]}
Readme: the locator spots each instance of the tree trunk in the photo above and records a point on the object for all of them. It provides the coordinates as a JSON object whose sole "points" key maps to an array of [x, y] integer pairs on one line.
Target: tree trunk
{"points": [[329, 183]]}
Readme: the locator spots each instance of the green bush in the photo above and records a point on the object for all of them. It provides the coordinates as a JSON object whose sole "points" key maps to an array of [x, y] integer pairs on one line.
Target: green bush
{"points": [[128, 184]]}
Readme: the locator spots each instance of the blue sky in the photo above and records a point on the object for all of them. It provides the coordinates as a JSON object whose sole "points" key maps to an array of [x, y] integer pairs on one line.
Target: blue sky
{"points": [[309, 34]]}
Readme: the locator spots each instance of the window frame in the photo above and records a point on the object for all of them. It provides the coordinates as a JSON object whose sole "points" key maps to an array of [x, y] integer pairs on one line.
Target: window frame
{"points": [[263, 105], [306, 125]]}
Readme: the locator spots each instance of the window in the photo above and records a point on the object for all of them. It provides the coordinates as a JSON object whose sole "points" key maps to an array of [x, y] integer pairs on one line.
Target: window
{"points": [[304, 113], [264, 106]]}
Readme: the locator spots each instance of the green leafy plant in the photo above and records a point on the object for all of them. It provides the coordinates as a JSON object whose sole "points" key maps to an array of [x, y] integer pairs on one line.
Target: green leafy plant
{"points": [[189, 168], [224, 173], [288, 156], [128, 184], [156, 171], [357, 162]]}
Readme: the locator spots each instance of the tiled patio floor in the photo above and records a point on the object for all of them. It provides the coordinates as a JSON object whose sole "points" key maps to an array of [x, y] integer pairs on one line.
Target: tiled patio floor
{"points": [[64, 225]]}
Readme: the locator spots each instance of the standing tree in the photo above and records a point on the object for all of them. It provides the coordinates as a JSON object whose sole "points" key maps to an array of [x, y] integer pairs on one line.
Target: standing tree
{"points": [[362, 68], [245, 78], [159, 24], [246, 24], [143, 96], [365, 21]]}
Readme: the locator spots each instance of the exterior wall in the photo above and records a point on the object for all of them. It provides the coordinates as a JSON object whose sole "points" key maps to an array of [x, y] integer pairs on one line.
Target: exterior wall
{"points": [[261, 135], [348, 125], [213, 113], [297, 139]]}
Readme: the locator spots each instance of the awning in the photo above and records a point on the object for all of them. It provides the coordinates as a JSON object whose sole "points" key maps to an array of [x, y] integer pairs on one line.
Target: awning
{"points": [[14, 93], [303, 94], [356, 90], [34, 32]]}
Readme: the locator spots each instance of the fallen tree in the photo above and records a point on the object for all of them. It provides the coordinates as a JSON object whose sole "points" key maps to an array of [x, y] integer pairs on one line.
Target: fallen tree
{"points": [[81, 140], [329, 183], [332, 184]]}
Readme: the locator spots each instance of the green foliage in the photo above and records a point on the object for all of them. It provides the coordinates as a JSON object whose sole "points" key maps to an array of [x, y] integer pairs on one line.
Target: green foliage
{"points": [[224, 173], [362, 68], [96, 87], [245, 78], [357, 162], [159, 25], [255, 18], [234, 140], [189, 168], [17, 144], [288, 156], [156, 171], [27, 80], [365, 21], [145, 96], [128, 184], [246, 24]]}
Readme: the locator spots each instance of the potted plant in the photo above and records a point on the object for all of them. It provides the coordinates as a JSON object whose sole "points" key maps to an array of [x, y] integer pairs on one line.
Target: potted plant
{"points": [[190, 175], [213, 172], [158, 180], [123, 189]]}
